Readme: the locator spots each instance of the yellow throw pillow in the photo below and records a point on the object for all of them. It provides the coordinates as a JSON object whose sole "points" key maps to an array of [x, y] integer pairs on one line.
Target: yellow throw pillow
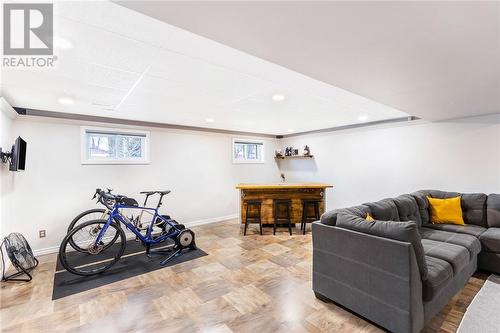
{"points": [[369, 218], [446, 210]]}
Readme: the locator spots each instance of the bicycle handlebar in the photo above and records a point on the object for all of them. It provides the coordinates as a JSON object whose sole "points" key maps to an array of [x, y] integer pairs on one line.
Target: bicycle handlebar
{"points": [[97, 191], [108, 199]]}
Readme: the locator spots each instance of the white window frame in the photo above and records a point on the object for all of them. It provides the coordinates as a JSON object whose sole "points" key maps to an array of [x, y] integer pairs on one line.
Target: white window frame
{"points": [[261, 161], [111, 130]]}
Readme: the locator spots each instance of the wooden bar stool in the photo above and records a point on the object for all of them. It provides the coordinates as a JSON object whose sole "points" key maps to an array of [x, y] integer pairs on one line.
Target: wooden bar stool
{"points": [[256, 218], [306, 204], [286, 217]]}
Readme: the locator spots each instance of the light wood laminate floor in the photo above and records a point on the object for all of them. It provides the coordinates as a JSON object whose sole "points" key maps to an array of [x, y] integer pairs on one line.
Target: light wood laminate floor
{"points": [[246, 284]]}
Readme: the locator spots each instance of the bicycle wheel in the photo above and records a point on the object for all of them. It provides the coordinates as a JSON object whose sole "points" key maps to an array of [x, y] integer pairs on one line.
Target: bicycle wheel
{"points": [[88, 215], [94, 259]]}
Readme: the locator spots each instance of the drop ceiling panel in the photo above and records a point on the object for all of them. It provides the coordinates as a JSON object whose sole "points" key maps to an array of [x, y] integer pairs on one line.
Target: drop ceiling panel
{"points": [[76, 70], [114, 19], [126, 65], [433, 59], [46, 98], [96, 45]]}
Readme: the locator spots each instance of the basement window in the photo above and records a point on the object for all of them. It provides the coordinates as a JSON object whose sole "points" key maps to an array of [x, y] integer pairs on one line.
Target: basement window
{"points": [[248, 151], [114, 146]]}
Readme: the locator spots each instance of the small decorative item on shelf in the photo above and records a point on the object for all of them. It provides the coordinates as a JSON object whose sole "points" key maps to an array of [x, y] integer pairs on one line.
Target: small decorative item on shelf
{"points": [[290, 152], [306, 151]]}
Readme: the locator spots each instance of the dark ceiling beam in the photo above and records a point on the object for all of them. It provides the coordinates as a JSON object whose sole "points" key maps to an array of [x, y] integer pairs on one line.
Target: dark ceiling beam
{"points": [[130, 122]]}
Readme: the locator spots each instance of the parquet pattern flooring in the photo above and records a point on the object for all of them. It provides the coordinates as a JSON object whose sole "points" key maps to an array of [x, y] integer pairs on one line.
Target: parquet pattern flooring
{"points": [[247, 283]]}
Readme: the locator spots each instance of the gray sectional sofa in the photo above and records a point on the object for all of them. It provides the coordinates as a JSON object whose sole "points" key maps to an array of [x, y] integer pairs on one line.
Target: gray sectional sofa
{"points": [[401, 270]]}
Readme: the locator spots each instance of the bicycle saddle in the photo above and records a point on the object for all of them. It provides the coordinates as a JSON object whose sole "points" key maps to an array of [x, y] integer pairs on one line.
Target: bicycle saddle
{"points": [[154, 192]]}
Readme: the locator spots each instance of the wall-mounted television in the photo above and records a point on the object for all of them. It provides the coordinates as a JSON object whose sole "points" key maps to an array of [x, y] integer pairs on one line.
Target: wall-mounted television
{"points": [[18, 155]]}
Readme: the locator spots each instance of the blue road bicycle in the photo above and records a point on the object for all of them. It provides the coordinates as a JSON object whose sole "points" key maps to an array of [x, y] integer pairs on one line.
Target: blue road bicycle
{"points": [[103, 214], [102, 242]]}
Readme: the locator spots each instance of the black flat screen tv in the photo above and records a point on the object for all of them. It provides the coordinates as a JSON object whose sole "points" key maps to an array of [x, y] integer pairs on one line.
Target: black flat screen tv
{"points": [[18, 157]]}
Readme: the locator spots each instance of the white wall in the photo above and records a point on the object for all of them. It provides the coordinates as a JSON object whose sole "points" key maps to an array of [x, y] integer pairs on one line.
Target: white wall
{"points": [[363, 164], [7, 118], [196, 166], [367, 164]]}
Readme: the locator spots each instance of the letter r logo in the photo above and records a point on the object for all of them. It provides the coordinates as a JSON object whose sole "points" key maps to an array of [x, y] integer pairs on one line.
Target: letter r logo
{"points": [[28, 29]]}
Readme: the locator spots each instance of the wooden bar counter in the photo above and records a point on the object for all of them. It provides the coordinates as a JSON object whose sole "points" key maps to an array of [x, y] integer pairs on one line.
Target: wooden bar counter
{"points": [[293, 191]]}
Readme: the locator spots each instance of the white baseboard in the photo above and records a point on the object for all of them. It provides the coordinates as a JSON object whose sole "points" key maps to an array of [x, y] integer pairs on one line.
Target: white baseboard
{"points": [[47, 250], [54, 249], [211, 220]]}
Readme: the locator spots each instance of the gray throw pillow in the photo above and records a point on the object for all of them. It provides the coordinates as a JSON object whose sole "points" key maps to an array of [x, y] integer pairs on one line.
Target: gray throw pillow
{"points": [[330, 217], [493, 210], [384, 210], [401, 231]]}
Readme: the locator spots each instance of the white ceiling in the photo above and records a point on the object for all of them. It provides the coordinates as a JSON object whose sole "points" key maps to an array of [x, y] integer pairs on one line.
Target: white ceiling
{"points": [[124, 64], [435, 60]]}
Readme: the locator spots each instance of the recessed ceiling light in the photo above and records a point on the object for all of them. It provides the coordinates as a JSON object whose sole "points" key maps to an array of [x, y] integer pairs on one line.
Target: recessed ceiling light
{"points": [[65, 100], [278, 97], [290, 130], [363, 117], [209, 120], [62, 43]]}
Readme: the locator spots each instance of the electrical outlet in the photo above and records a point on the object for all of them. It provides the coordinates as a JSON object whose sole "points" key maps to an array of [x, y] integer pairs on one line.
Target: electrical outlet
{"points": [[41, 233]]}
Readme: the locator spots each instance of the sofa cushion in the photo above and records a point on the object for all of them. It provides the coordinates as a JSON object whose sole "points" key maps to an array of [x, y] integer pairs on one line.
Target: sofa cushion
{"points": [[473, 205], [330, 217], [440, 194], [470, 229], [408, 209], [493, 210], [423, 203], [490, 239], [457, 256], [489, 261], [438, 276], [423, 206], [401, 231], [470, 242], [474, 208], [383, 210]]}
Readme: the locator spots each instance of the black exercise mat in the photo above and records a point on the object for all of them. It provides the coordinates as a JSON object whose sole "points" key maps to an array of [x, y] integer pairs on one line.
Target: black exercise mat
{"points": [[133, 246], [66, 283]]}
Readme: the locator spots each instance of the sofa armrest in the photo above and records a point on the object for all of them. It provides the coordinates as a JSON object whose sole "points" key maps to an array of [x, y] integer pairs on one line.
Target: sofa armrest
{"points": [[373, 276]]}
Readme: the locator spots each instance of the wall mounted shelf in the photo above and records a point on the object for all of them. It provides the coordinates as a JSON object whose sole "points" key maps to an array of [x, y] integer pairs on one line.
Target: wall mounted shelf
{"points": [[293, 156]]}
